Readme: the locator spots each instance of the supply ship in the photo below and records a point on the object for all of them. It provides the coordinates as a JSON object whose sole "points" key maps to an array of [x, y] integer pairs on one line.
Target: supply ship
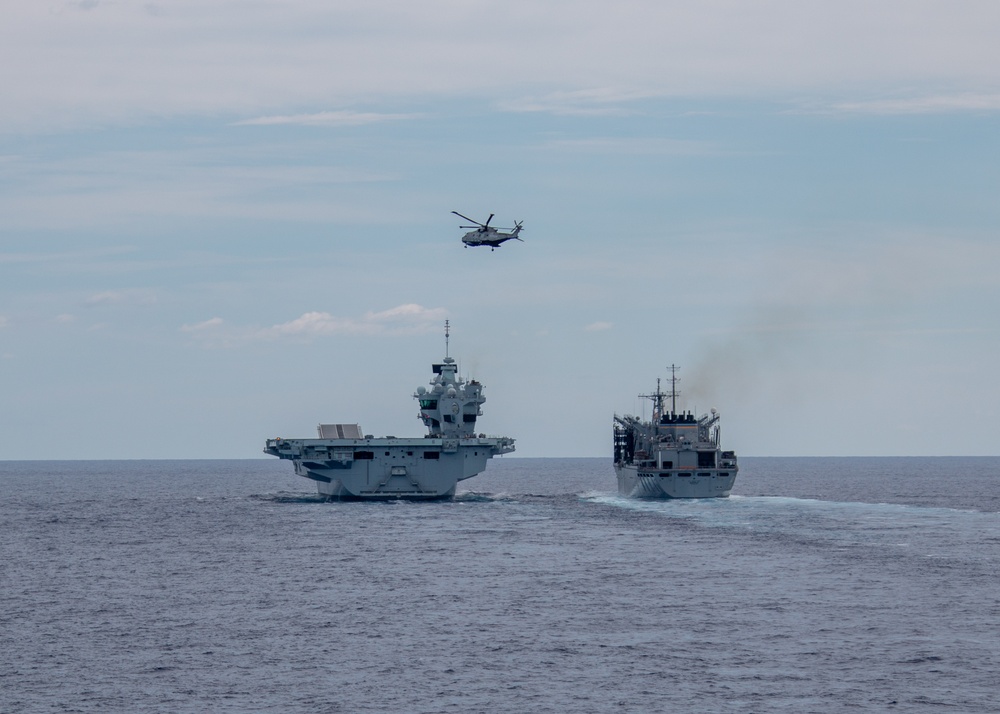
{"points": [[674, 455], [345, 464]]}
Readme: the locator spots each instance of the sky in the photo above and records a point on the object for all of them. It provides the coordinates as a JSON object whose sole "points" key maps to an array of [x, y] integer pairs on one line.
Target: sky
{"points": [[230, 220]]}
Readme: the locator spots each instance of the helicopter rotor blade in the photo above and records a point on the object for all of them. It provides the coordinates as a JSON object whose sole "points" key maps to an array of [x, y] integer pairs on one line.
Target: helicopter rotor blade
{"points": [[485, 225], [469, 219]]}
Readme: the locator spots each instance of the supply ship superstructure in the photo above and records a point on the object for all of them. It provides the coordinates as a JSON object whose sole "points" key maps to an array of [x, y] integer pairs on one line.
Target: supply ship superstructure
{"points": [[345, 464], [674, 455]]}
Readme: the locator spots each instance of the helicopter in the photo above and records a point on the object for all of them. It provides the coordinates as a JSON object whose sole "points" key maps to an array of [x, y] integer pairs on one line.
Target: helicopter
{"points": [[485, 235]]}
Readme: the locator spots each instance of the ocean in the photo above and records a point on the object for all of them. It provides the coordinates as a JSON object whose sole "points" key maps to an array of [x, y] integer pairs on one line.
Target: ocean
{"points": [[821, 585]]}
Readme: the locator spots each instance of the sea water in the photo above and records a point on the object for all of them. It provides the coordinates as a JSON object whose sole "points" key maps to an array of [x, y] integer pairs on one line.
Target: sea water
{"points": [[821, 585]]}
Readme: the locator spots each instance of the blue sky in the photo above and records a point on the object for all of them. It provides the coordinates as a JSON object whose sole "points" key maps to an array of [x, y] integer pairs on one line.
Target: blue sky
{"points": [[227, 221]]}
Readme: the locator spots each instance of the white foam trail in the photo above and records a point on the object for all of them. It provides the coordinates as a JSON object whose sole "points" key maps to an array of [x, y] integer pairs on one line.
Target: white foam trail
{"points": [[848, 522]]}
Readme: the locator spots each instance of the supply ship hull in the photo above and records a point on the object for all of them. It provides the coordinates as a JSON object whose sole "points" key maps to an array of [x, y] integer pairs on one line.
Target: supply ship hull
{"points": [[674, 455], [651, 483]]}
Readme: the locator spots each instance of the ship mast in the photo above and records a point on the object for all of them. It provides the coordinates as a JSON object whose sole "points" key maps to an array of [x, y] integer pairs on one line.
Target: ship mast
{"points": [[447, 334], [657, 399], [658, 396], [673, 388]]}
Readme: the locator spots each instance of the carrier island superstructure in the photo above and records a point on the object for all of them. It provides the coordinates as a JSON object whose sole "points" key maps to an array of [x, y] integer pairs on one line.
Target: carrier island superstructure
{"points": [[345, 464], [674, 455]]}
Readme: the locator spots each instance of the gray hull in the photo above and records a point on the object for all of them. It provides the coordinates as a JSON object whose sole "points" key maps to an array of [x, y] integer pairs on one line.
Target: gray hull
{"points": [[653, 484], [388, 468]]}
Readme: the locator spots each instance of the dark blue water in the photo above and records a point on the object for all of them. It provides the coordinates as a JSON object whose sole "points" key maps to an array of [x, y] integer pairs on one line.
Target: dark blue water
{"points": [[822, 585]]}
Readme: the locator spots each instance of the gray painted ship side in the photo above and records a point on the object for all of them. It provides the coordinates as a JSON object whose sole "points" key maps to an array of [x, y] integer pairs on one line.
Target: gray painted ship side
{"points": [[650, 483], [389, 468]]}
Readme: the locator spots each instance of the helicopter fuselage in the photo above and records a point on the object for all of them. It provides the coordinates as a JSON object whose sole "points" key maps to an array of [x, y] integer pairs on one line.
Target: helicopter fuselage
{"points": [[486, 234]]}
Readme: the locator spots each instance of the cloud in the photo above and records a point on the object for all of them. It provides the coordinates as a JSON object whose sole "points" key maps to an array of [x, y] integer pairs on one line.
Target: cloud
{"points": [[598, 326], [584, 102], [206, 57], [120, 297], [313, 323], [3, 321], [404, 319], [210, 324], [339, 118], [932, 104]]}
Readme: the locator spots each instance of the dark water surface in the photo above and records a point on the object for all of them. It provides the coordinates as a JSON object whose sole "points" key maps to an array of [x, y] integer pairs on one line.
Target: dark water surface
{"points": [[821, 585]]}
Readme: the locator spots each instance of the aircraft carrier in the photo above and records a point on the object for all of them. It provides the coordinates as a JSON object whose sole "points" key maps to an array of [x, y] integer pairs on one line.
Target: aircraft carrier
{"points": [[346, 464]]}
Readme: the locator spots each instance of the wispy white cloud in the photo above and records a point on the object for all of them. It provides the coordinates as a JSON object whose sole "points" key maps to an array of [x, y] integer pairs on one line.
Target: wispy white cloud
{"points": [[931, 104], [82, 5], [605, 101], [404, 319], [120, 297], [73, 73], [338, 118], [3, 321], [598, 326], [210, 324]]}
